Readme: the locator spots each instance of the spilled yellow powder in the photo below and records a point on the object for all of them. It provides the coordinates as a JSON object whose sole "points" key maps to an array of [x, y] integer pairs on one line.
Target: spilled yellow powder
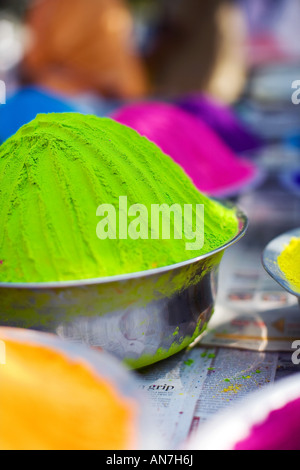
{"points": [[48, 402], [289, 262], [232, 389]]}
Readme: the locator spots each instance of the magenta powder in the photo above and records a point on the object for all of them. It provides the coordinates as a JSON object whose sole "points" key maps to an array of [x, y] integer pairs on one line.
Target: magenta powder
{"points": [[211, 165], [280, 431]]}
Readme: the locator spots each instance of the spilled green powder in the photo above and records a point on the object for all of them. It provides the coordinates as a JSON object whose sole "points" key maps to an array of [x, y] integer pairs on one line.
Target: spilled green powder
{"points": [[189, 362], [55, 173]]}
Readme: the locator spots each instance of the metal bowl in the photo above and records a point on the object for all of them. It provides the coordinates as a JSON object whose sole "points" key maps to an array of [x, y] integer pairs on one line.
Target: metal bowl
{"points": [[141, 318], [270, 260]]}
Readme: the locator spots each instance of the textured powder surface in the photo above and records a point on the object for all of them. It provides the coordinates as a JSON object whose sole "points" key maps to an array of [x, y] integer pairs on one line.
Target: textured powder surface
{"points": [[49, 402], [57, 170], [289, 262]]}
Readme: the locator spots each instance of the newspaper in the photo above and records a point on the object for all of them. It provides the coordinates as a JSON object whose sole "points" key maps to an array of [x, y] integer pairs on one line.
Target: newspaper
{"points": [[235, 375], [190, 388], [253, 311]]}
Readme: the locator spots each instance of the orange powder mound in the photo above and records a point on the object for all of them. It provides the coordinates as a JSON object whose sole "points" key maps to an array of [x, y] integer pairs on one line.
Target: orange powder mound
{"points": [[49, 402]]}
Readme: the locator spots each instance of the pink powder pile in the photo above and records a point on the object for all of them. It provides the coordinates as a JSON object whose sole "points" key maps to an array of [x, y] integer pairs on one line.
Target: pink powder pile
{"points": [[280, 431], [191, 143]]}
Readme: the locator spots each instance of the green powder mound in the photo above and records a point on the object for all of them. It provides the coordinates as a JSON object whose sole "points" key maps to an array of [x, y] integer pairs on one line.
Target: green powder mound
{"points": [[54, 174]]}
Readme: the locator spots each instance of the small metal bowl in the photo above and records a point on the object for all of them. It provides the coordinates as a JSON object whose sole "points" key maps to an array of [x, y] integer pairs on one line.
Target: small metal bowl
{"points": [[140, 318], [270, 260]]}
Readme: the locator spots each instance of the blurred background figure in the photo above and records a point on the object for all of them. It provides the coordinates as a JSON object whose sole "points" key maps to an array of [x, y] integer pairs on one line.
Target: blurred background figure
{"points": [[216, 59], [79, 55], [82, 45], [201, 47]]}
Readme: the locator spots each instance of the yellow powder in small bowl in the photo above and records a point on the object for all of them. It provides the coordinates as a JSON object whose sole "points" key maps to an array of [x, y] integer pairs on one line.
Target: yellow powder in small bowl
{"points": [[289, 262], [52, 401]]}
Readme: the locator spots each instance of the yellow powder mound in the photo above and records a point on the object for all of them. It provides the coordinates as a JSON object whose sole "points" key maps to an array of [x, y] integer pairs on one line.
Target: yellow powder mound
{"points": [[289, 262], [48, 402]]}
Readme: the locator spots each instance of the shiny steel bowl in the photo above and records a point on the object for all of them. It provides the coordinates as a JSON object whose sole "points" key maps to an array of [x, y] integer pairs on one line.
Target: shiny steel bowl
{"points": [[270, 260], [141, 318]]}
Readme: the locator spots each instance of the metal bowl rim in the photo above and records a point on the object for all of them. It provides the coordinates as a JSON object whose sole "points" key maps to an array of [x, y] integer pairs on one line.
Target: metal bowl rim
{"points": [[286, 285], [243, 226]]}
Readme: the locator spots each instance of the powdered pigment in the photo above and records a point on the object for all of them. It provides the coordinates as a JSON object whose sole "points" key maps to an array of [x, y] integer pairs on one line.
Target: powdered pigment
{"points": [[289, 262], [54, 174]]}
